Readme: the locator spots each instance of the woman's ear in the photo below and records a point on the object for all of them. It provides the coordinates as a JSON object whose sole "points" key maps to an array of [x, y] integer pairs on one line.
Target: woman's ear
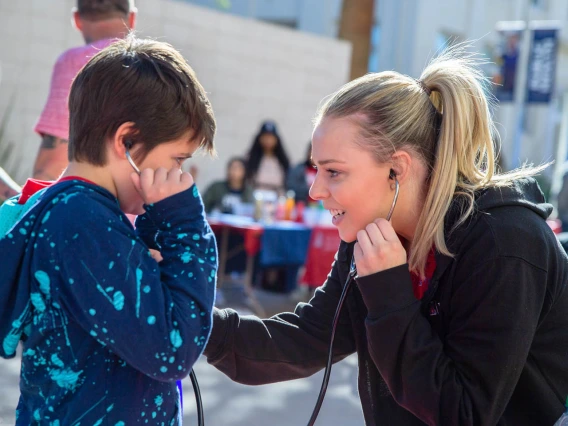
{"points": [[401, 164]]}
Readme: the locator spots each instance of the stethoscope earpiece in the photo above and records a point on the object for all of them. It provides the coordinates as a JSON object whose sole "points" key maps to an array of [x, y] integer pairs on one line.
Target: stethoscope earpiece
{"points": [[130, 160], [395, 199]]}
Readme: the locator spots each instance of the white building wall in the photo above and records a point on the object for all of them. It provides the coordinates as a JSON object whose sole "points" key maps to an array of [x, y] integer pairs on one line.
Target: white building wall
{"points": [[251, 70], [424, 20]]}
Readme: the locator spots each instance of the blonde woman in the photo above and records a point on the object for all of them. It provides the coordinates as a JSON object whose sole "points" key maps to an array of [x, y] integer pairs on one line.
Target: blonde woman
{"points": [[458, 315]]}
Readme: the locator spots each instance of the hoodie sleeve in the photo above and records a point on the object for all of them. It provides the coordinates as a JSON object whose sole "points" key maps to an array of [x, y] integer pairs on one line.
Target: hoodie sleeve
{"points": [[284, 347], [156, 317], [147, 231]]}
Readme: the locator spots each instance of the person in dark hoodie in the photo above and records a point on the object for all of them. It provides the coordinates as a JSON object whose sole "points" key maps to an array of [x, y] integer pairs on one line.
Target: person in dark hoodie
{"points": [[106, 331], [458, 309]]}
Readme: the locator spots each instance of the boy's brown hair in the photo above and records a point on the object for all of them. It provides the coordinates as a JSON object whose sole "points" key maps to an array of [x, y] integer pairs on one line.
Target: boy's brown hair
{"points": [[95, 10], [142, 81]]}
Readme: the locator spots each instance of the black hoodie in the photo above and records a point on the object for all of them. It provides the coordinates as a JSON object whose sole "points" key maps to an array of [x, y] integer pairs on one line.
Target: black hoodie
{"points": [[487, 344]]}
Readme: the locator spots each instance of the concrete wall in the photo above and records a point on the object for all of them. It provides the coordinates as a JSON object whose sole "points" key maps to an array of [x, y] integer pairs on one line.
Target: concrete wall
{"points": [[251, 70], [313, 16], [33, 34]]}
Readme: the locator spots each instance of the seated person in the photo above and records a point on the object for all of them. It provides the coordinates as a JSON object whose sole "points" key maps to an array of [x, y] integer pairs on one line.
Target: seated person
{"points": [[300, 178], [224, 195]]}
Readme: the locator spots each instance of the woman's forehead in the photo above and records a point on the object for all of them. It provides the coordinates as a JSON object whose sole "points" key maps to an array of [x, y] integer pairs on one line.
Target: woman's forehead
{"points": [[334, 134], [337, 127]]}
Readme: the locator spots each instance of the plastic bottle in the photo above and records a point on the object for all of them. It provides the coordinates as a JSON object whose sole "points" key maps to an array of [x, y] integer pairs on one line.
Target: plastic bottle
{"points": [[289, 205], [258, 205]]}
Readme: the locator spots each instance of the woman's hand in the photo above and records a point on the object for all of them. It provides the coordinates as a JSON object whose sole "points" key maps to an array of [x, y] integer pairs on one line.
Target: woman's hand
{"points": [[378, 248]]}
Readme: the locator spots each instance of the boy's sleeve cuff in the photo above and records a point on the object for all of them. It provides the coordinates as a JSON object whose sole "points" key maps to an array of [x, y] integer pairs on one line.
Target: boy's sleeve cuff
{"points": [[189, 201], [387, 291]]}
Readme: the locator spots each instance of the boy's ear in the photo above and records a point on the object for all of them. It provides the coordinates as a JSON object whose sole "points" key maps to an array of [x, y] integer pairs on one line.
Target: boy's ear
{"points": [[122, 139]]}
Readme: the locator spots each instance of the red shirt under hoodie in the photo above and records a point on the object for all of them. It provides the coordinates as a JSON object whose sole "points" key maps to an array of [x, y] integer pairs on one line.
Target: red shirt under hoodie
{"points": [[421, 285], [34, 185]]}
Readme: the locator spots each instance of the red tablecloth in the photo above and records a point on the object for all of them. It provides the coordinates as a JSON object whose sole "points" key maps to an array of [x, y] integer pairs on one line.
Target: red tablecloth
{"points": [[324, 243], [250, 232]]}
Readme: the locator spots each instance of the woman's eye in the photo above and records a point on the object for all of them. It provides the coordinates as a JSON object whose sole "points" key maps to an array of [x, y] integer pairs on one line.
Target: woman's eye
{"points": [[332, 173], [180, 160]]}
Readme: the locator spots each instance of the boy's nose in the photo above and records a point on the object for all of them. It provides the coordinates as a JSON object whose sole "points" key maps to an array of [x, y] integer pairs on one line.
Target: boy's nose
{"points": [[318, 190]]}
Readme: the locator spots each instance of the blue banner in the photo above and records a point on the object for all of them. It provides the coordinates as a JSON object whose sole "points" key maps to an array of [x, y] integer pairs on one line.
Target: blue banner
{"points": [[542, 66]]}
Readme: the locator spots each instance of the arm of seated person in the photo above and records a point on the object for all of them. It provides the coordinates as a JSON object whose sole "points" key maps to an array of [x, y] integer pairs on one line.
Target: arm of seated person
{"points": [[51, 158], [8, 188]]}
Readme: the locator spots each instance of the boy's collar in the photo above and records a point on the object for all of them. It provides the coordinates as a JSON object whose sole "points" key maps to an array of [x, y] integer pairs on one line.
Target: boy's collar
{"points": [[34, 185]]}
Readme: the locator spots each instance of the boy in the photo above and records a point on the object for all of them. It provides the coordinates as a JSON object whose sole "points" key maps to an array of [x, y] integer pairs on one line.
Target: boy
{"points": [[106, 330]]}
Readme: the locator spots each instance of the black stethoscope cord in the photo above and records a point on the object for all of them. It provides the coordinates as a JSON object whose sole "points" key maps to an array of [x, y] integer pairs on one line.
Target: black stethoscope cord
{"points": [[325, 382], [327, 373], [350, 278], [198, 402]]}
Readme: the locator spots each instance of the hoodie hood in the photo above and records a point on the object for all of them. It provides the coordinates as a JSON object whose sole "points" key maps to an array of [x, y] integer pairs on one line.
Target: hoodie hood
{"points": [[522, 192], [12, 211], [20, 226]]}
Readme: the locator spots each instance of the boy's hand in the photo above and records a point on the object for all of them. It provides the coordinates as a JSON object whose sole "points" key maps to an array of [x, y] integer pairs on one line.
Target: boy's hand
{"points": [[156, 255], [156, 185]]}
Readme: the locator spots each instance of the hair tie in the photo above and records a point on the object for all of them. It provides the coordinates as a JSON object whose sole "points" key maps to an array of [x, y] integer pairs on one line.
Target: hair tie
{"points": [[424, 87]]}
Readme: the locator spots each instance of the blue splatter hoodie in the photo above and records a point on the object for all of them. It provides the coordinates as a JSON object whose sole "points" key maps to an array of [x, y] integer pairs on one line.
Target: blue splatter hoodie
{"points": [[106, 330]]}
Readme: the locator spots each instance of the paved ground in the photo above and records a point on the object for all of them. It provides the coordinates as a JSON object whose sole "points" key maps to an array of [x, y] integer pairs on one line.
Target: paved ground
{"points": [[9, 393], [230, 404]]}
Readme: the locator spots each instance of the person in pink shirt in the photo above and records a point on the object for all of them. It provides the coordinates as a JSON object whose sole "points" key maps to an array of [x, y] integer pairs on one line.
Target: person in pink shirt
{"points": [[101, 22]]}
